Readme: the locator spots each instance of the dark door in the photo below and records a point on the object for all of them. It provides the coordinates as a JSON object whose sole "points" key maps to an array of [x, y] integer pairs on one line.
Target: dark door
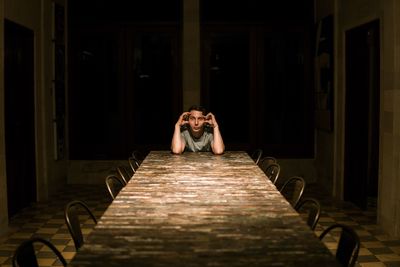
{"points": [[96, 109], [124, 92], [226, 85], [257, 82], [152, 90], [285, 95], [19, 116], [362, 114]]}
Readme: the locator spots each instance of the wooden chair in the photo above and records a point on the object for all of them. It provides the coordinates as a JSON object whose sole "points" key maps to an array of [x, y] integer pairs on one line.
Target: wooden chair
{"points": [[348, 245], [256, 155], [293, 189], [114, 185], [25, 256], [313, 208], [272, 171], [72, 220]]}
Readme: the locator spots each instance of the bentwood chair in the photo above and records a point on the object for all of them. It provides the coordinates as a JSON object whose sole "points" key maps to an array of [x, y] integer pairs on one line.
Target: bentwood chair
{"points": [[124, 173], [348, 245], [272, 171], [133, 163], [25, 256], [138, 156], [71, 216], [313, 209], [114, 185], [265, 161], [256, 155], [293, 189]]}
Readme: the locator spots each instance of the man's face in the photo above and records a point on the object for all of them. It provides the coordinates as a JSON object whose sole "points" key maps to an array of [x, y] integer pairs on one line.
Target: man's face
{"points": [[196, 121]]}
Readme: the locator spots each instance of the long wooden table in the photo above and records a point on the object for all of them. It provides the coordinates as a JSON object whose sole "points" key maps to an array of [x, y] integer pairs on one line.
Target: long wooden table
{"points": [[198, 209]]}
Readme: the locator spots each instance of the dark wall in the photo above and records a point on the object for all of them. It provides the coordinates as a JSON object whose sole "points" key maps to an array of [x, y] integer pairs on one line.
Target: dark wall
{"points": [[125, 75]]}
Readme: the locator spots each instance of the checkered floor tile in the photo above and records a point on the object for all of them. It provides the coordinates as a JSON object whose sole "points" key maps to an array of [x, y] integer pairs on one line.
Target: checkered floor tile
{"points": [[46, 220]]}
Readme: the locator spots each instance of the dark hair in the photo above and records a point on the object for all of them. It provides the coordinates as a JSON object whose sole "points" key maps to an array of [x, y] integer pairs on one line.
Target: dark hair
{"points": [[198, 108]]}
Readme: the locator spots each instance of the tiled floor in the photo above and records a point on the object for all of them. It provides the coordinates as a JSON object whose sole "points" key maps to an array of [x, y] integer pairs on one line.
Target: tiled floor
{"points": [[377, 248], [47, 220]]}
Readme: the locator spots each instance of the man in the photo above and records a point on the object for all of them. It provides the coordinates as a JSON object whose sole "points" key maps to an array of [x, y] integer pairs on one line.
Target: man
{"points": [[201, 133]]}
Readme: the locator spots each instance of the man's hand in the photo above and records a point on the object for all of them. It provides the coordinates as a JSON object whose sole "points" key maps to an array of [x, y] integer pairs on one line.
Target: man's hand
{"points": [[217, 145], [210, 118], [183, 119]]}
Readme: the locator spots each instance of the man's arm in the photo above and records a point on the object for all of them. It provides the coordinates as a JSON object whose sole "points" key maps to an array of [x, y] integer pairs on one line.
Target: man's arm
{"points": [[177, 143], [217, 145]]}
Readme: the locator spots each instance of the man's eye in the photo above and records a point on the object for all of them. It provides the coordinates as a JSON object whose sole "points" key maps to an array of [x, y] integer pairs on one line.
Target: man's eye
{"points": [[198, 119]]}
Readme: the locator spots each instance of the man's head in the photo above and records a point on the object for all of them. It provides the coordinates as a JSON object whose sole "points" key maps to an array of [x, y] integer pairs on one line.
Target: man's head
{"points": [[197, 118]]}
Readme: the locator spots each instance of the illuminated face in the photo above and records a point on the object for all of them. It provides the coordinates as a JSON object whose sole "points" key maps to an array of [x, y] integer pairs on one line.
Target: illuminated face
{"points": [[196, 121]]}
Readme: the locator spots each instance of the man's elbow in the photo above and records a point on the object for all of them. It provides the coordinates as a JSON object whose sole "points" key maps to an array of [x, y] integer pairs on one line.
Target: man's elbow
{"points": [[176, 151], [219, 151]]}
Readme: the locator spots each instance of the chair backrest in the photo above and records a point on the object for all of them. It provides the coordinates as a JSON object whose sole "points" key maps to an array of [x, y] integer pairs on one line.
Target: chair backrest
{"points": [[133, 163], [138, 156], [265, 161], [272, 171], [293, 189], [256, 155], [25, 256], [313, 208], [71, 215], [124, 173], [348, 246], [114, 185]]}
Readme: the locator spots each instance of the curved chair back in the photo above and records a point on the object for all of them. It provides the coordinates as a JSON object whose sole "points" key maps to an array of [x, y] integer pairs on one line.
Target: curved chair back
{"points": [[293, 189], [265, 161], [313, 209], [133, 163], [272, 171], [138, 156], [124, 174], [114, 185], [257, 154], [348, 246], [25, 256], [72, 220]]}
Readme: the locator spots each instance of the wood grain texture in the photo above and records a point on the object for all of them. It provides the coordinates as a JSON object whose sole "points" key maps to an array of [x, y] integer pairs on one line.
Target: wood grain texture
{"points": [[198, 209]]}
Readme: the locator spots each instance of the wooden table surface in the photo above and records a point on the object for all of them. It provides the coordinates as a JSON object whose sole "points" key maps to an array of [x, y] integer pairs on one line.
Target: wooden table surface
{"points": [[199, 209]]}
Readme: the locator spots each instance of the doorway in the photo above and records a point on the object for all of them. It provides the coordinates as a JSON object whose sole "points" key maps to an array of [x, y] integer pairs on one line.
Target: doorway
{"points": [[123, 88], [257, 81], [19, 116], [362, 115]]}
